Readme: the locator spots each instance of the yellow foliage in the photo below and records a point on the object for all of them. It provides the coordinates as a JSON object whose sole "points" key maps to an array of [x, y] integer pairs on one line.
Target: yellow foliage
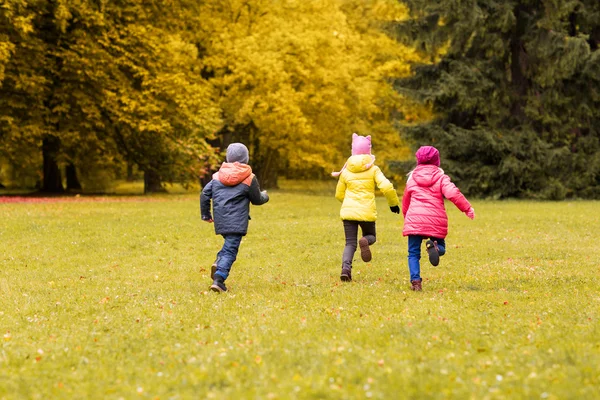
{"points": [[306, 75]]}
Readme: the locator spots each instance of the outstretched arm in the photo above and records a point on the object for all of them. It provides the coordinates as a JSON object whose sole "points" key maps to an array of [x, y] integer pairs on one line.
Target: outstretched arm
{"points": [[205, 198], [257, 197], [451, 192], [387, 188]]}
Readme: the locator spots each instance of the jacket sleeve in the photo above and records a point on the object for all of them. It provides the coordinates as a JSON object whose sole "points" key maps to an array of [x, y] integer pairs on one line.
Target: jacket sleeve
{"points": [[340, 189], [256, 196], [386, 187], [205, 198], [451, 192], [406, 200]]}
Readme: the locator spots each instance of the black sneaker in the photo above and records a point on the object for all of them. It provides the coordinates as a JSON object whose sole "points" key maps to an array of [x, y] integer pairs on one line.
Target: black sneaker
{"points": [[346, 275], [432, 250], [365, 251], [218, 285], [213, 269]]}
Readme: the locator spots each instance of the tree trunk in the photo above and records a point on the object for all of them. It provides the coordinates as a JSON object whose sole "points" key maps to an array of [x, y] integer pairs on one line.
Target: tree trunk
{"points": [[267, 178], [152, 182], [205, 179], [223, 139], [130, 176], [267, 168], [594, 39], [72, 180], [52, 182]]}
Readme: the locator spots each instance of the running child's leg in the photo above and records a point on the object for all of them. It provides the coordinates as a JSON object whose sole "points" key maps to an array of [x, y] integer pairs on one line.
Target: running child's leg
{"points": [[368, 238], [414, 257], [228, 254], [441, 245], [368, 231], [351, 233]]}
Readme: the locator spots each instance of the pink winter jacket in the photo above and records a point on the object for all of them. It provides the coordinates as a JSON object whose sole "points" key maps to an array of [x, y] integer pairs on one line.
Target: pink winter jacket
{"points": [[423, 202]]}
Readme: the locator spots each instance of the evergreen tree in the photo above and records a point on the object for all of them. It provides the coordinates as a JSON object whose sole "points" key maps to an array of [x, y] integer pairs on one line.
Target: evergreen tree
{"points": [[515, 90]]}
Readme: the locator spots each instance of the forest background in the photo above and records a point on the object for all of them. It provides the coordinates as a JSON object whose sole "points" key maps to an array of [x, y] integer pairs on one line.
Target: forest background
{"points": [[92, 91]]}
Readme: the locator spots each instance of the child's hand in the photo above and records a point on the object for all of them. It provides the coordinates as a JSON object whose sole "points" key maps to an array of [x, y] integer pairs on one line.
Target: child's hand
{"points": [[395, 209], [207, 219], [471, 213]]}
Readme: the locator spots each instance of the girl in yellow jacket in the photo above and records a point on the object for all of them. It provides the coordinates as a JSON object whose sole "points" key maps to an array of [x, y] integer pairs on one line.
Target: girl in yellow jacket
{"points": [[356, 191]]}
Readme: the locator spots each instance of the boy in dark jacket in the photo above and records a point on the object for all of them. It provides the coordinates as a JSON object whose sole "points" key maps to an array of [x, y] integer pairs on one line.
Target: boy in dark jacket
{"points": [[231, 189]]}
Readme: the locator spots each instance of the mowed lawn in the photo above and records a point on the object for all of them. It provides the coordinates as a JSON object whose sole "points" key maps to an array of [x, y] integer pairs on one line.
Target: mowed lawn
{"points": [[109, 299]]}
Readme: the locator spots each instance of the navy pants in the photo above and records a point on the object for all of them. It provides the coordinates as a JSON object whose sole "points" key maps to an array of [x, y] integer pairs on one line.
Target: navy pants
{"points": [[226, 257], [414, 254]]}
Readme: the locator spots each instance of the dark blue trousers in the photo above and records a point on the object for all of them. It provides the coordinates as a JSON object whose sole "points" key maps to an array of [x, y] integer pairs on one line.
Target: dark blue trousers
{"points": [[228, 254], [414, 254]]}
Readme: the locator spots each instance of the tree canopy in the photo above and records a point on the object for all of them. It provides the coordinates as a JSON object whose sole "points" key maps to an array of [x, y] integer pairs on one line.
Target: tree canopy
{"points": [[296, 78], [509, 91], [89, 84], [515, 94], [166, 85]]}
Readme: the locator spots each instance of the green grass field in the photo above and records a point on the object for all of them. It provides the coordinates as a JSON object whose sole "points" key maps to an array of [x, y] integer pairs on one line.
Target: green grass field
{"points": [[109, 299]]}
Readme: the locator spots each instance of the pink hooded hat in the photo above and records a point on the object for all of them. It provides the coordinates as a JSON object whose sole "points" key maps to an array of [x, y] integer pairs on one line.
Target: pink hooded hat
{"points": [[428, 155], [360, 145]]}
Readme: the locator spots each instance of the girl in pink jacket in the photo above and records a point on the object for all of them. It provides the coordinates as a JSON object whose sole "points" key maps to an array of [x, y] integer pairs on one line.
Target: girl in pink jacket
{"points": [[424, 212]]}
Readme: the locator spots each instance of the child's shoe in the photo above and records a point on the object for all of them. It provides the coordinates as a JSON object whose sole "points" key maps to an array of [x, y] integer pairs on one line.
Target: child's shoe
{"points": [[218, 285], [346, 275], [432, 250], [365, 251], [213, 269], [416, 285]]}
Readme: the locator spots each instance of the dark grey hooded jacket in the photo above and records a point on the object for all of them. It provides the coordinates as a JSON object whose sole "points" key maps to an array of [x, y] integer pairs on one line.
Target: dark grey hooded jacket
{"points": [[232, 189]]}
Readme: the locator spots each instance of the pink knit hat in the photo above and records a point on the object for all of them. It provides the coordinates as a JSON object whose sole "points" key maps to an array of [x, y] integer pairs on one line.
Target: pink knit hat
{"points": [[428, 155], [360, 145]]}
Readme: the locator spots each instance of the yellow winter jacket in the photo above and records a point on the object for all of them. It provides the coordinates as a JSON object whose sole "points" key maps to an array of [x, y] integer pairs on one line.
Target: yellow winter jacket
{"points": [[356, 189]]}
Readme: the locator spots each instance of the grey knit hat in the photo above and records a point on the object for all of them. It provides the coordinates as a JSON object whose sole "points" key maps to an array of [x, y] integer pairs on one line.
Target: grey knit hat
{"points": [[237, 152]]}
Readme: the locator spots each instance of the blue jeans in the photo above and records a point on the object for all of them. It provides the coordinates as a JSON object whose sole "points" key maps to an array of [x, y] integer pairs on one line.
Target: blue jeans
{"points": [[414, 254], [226, 257]]}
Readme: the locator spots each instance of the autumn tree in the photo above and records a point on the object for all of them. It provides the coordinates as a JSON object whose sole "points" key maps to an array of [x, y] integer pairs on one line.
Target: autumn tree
{"points": [[160, 107], [92, 84], [22, 86], [295, 79]]}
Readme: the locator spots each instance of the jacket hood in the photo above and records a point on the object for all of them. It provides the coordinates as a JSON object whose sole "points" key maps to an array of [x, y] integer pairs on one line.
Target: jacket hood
{"points": [[231, 174], [359, 163], [426, 175]]}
